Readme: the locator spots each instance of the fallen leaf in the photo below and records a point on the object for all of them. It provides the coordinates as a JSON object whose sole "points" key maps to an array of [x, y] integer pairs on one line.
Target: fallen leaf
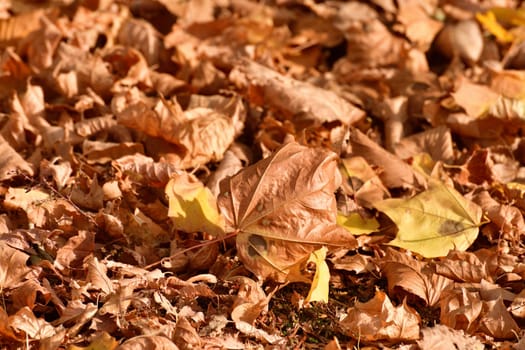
{"points": [[489, 21], [436, 142], [460, 309], [475, 99], [293, 97], [321, 281], [13, 266], [440, 337], [393, 172], [463, 267], [497, 321], [356, 224], [186, 337], [26, 324], [11, 162], [423, 283], [103, 341], [361, 181], [284, 208], [379, 319], [518, 305], [192, 206], [433, 222], [153, 342]]}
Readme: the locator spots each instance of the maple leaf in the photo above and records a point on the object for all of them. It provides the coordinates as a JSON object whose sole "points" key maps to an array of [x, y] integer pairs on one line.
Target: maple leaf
{"points": [[284, 208], [433, 222]]}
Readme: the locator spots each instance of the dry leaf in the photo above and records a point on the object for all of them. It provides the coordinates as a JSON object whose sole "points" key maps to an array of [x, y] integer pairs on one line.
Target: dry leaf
{"points": [[153, 342], [423, 283], [11, 162], [440, 337], [186, 336], [103, 341], [463, 39], [460, 309], [437, 142], [497, 320], [13, 266], [283, 209], [294, 98], [393, 171], [475, 99], [379, 319]]}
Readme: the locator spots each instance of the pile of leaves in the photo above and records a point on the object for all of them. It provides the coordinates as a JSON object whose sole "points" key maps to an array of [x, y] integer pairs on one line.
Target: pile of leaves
{"points": [[239, 174]]}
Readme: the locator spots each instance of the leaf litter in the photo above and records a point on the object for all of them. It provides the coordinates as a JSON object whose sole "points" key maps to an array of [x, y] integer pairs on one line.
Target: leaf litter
{"points": [[242, 174]]}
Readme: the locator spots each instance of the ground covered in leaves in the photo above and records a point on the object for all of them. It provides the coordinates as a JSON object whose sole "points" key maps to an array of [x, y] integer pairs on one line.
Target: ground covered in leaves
{"points": [[236, 174]]}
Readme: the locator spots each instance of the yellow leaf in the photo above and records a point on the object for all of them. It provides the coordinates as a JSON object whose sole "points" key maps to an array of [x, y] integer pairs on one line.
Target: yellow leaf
{"points": [[192, 206], [356, 224], [320, 285], [103, 342], [491, 24], [511, 16], [433, 222]]}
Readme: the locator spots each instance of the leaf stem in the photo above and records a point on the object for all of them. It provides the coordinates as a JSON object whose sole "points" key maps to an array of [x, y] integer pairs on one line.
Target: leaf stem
{"points": [[204, 244]]}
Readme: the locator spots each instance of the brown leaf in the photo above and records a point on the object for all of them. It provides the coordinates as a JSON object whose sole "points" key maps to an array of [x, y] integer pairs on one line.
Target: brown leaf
{"points": [[396, 174], [460, 309], [440, 337], [423, 283], [518, 305], [75, 250], [230, 164], [13, 266], [153, 342], [204, 133], [463, 267], [26, 294], [379, 319], [186, 336], [497, 321], [142, 36], [283, 208], [475, 99], [437, 142], [26, 324], [97, 276], [463, 39], [292, 97], [420, 28], [11, 162], [507, 220]]}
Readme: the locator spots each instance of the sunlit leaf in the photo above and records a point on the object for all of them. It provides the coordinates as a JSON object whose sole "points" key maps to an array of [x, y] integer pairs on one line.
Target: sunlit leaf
{"points": [[102, 342], [356, 224], [378, 319], [491, 24], [192, 206], [284, 208], [433, 222], [320, 284]]}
